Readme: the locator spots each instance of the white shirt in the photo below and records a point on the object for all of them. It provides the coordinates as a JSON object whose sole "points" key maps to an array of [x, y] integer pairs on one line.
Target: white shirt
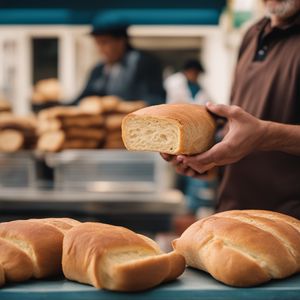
{"points": [[176, 86]]}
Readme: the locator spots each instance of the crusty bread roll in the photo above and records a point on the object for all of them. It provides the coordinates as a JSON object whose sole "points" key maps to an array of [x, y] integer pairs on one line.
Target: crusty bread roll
{"points": [[11, 140], [243, 248], [19, 123], [80, 144], [32, 248], [55, 141], [51, 141], [114, 121], [84, 121], [61, 112], [169, 128], [92, 104], [4, 105], [93, 122], [47, 89], [99, 105], [126, 107], [85, 133], [115, 258]]}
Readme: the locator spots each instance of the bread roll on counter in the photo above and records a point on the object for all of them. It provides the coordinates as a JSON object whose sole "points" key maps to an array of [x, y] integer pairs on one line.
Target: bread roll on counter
{"points": [[169, 128], [243, 248], [32, 248], [116, 258]]}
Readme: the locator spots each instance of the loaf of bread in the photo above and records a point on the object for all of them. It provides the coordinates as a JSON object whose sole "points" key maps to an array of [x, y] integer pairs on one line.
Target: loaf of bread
{"points": [[169, 128], [59, 140], [126, 107], [243, 248], [11, 140], [4, 107], [47, 90], [32, 248], [115, 258], [85, 133], [114, 122], [100, 105]]}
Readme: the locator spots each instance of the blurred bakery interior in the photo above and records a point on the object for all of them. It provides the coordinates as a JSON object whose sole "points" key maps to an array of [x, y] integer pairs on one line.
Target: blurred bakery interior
{"points": [[61, 157]]}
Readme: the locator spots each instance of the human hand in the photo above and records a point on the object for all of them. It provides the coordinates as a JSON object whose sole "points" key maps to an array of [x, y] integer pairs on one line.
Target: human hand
{"points": [[245, 134], [183, 169]]}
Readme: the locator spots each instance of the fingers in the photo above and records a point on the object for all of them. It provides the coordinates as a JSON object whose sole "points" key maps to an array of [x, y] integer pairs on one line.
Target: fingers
{"points": [[166, 157], [218, 155], [181, 167], [226, 111]]}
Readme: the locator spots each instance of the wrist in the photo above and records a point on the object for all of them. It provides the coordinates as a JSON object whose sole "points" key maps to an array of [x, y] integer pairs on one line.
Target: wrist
{"points": [[265, 135]]}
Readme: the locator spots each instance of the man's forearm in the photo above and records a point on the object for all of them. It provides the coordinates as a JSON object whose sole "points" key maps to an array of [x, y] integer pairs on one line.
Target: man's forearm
{"points": [[281, 137]]}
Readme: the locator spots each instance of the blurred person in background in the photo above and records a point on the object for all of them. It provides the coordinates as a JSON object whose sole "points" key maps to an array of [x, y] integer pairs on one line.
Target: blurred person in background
{"points": [[184, 87], [125, 72], [261, 146]]}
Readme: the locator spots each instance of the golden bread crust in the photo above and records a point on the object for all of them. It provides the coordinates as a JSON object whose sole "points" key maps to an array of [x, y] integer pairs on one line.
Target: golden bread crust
{"points": [[243, 248]]}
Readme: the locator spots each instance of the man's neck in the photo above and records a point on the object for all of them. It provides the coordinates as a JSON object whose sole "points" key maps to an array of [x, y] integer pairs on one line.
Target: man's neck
{"points": [[281, 22], [275, 21]]}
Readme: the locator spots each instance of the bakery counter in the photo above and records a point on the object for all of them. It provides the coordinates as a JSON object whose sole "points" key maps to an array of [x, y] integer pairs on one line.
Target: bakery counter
{"points": [[192, 285], [143, 211]]}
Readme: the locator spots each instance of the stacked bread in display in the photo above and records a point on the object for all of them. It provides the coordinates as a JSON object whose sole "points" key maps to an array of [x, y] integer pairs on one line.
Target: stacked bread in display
{"points": [[4, 106], [47, 91], [32, 248], [63, 128], [113, 110], [243, 248], [17, 133]]}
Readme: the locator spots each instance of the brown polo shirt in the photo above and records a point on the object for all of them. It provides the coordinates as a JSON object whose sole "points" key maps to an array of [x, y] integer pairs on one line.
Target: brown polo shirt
{"points": [[267, 85]]}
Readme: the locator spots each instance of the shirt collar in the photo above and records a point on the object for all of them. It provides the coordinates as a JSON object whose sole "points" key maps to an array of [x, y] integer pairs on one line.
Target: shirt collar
{"points": [[293, 22]]}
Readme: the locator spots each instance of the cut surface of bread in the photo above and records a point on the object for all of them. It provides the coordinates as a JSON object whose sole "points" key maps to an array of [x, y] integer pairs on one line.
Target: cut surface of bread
{"points": [[116, 258], [169, 128], [243, 248]]}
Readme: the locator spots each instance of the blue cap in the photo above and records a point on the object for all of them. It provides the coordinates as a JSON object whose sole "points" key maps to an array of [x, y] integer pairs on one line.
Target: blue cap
{"points": [[111, 24]]}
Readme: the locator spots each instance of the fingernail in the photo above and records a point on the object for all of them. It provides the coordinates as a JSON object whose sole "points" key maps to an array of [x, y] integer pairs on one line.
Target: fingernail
{"points": [[179, 158]]}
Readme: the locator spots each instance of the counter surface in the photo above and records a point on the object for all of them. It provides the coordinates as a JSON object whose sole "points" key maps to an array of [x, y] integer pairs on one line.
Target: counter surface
{"points": [[171, 201], [192, 285]]}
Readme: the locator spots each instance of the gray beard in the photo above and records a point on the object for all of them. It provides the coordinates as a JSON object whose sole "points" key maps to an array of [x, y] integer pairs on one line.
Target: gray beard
{"points": [[283, 9]]}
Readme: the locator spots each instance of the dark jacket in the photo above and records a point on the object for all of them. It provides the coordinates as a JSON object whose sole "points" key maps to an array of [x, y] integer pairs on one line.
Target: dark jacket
{"points": [[138, 76]]}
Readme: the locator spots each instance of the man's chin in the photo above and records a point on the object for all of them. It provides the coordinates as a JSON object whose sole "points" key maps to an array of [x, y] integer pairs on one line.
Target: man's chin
{"points": [[282, 9]]}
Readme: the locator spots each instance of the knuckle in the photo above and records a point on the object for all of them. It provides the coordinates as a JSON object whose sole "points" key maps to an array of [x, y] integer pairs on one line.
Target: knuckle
{"points": [[235, 111]]}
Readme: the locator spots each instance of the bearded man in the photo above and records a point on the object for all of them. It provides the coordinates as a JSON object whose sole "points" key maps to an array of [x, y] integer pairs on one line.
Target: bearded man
{"points": [[261, 148]]}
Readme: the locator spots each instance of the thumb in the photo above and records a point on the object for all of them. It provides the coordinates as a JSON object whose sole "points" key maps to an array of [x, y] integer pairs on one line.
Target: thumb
{"points": [[220, 110]]}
